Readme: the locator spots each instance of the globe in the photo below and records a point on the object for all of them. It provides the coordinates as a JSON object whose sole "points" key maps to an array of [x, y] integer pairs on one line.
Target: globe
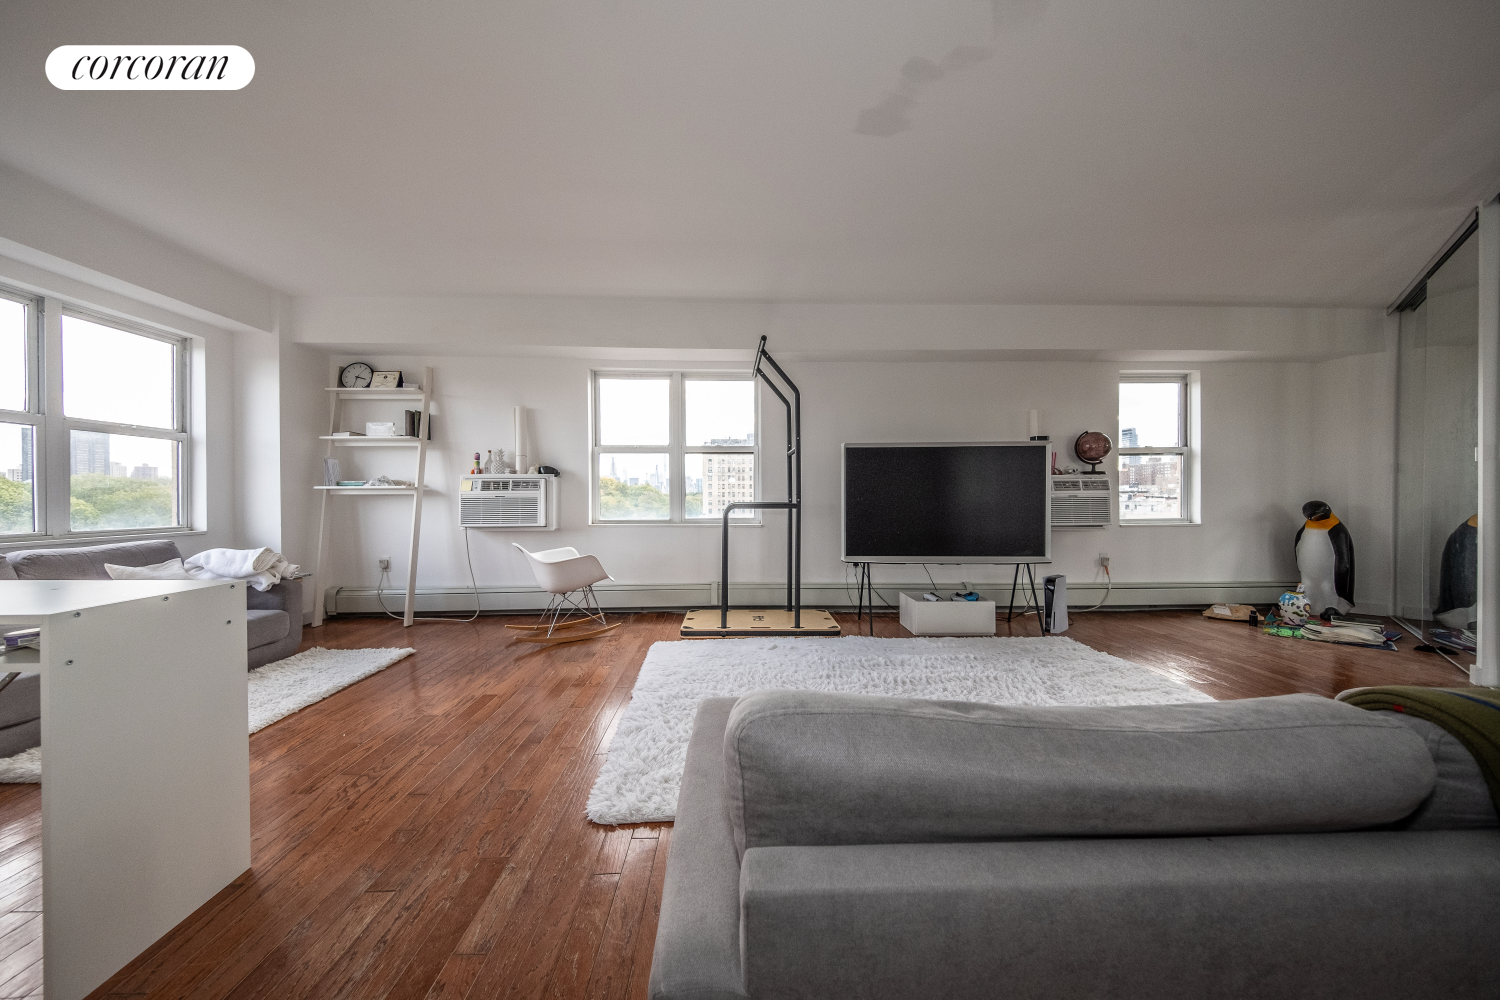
{"points": [[1093, 447]]}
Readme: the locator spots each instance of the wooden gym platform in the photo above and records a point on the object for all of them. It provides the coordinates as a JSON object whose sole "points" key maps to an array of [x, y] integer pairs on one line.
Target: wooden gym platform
{"points": [[774, 621]]}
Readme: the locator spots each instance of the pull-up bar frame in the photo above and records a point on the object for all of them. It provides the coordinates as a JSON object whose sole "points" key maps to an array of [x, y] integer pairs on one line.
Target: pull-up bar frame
{"points": [[793, 503]]}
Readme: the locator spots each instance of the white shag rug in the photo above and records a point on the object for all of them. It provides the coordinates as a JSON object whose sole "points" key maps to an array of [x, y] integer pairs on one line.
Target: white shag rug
{"points": [[276, 691], [281, 688], [640, 778]]}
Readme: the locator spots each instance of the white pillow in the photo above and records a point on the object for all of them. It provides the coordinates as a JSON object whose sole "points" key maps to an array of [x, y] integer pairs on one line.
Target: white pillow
{"points": [[169, 570]]}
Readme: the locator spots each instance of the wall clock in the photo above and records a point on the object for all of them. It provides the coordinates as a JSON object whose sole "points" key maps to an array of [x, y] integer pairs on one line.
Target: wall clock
{"points": [[356, 375]]}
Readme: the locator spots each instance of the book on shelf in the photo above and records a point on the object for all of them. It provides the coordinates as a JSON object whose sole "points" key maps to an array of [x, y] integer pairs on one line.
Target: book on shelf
{"points": [[348, 434], [414, 424]]}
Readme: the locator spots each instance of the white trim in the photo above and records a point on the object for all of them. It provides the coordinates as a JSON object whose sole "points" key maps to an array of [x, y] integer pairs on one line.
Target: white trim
{"points": [[1486, 669]]}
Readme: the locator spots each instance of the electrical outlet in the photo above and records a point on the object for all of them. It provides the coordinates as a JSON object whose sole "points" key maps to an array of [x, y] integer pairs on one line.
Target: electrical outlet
{"points": [[1104, 559], [385, 564]]}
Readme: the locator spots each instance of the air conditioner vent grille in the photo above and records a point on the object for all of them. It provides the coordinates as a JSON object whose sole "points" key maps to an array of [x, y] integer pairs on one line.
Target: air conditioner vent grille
{"points": [[1082, 502], [510, 502]]}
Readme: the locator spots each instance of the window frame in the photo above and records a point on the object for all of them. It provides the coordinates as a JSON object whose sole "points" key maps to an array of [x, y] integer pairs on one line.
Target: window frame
{"points": [[1186, 449], [52, 429], [33, 414], [676, 449]]}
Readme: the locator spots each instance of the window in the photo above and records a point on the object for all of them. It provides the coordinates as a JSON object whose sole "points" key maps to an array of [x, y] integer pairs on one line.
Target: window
{"points": [[673, 448], [97, 447], [1154, 451]]}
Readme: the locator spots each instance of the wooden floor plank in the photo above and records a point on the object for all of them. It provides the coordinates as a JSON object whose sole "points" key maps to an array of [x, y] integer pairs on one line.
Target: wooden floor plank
{"points": [[421, 834], [611, 975], [575, 960], [645, 939]]}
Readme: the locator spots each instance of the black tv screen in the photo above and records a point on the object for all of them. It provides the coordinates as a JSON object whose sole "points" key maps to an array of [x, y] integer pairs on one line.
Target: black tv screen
{"points": [[946, 503]]}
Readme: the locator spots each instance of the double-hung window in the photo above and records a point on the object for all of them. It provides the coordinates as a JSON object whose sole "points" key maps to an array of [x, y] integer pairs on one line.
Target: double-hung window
{"points": [[673, 447], [1155, 476], [93, 423]]}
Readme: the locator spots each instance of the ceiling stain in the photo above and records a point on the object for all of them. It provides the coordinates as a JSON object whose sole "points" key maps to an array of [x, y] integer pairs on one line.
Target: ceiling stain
{"points": [[893, 114]]}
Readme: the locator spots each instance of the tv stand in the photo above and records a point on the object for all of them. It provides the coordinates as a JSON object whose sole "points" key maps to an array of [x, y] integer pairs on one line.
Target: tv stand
{"points": [[867, 594]]}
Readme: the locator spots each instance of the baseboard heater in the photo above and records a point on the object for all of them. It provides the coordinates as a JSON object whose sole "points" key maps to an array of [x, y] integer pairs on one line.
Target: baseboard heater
{"points": [[687, 596]]}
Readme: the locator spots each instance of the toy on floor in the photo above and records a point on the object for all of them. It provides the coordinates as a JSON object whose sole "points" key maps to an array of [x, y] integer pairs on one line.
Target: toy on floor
{"points": [[1294, 609], [1325, 558]]}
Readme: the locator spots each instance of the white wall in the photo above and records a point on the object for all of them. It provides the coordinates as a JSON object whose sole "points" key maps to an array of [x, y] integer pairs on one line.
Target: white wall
{"points": [[1353, 434], [1262, 425]]}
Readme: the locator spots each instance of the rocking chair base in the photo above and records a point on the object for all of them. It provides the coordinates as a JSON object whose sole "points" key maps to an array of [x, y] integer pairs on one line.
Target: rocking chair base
{"points": [[561, 635], [770, 621]]}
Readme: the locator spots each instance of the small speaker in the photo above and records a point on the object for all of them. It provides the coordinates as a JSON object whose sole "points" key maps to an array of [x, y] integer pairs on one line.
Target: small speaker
{"points": [[1055, 603]]}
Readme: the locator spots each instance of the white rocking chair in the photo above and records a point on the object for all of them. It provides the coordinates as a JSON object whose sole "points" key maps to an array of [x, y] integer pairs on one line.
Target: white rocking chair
{"points": [[564, 573]]}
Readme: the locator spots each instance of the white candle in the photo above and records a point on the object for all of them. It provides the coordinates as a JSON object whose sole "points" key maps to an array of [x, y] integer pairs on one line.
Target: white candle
{"points": [[522, 445], [1033, 423]]}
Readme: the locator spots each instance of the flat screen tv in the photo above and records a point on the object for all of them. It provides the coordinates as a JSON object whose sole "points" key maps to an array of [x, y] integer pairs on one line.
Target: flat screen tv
{"points": [[946, 503]]}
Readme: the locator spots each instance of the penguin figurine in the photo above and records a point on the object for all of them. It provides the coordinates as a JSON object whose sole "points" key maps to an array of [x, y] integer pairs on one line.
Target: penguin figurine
{"points": [[1458, 578], [1325, 558]]}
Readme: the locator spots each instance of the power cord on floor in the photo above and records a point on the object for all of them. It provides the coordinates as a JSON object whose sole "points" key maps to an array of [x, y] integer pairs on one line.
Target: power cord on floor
{"points": [[380, 592]]}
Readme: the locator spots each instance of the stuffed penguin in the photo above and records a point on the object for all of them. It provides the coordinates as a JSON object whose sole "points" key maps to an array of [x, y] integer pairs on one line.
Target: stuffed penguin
{"points": [[1458, 579], [1325, 558]]}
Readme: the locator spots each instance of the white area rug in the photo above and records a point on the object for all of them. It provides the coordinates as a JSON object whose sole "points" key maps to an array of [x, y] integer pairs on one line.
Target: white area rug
{"points": [[25, 768], [276, 691], [641, 777], [281, 688]]}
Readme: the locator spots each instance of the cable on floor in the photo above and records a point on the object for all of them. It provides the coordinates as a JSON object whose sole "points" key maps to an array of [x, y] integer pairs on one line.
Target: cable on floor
{"points": [[380, 592]]}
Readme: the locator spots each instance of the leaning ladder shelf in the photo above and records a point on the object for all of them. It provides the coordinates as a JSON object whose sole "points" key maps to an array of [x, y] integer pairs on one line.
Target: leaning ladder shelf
{"points": [[337, 396]]}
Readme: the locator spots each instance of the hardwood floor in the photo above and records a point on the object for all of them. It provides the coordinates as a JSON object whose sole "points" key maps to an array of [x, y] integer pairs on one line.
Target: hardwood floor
{"points": [[421, 834]]}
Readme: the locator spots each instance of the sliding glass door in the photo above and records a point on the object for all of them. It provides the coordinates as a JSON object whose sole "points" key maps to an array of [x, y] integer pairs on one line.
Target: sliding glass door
{"points": [[1437, 474]]}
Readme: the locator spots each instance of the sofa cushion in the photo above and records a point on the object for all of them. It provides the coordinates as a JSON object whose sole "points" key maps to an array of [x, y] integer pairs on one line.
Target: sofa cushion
{"points": [[806, 768], [21, 736], [21, 699], [172, 569], [1370, 915], [6, 571], [1460, 798], [263, 627], [87, 563]]}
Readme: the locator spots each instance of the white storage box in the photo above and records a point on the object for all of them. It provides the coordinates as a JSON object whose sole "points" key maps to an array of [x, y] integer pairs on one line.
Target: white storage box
{"points": [[923, 617]]}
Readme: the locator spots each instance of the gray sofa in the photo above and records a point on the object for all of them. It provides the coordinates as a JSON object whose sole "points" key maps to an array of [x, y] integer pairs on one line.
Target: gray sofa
{"points": [[831, 846], [273, 621]]}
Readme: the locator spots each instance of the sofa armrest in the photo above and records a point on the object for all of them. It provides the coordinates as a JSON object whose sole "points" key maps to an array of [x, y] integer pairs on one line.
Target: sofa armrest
{"points": [[697, 953], [285, 596]]}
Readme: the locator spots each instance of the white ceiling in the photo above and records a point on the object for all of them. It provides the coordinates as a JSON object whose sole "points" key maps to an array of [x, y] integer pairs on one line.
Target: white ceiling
{"points": [[1264, 151]]}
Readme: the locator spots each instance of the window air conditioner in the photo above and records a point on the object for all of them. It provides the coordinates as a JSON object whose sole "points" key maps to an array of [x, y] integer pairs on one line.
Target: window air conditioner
{"points": [[1081, 501], [505, 502]]}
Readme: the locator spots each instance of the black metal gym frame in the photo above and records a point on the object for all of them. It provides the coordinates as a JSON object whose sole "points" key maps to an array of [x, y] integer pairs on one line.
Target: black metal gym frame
{"points": [[792, 505]]}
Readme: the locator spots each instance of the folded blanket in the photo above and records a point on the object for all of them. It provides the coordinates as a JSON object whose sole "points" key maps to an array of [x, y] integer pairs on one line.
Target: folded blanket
{"points": [[1470, 714], [262, 568]]}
